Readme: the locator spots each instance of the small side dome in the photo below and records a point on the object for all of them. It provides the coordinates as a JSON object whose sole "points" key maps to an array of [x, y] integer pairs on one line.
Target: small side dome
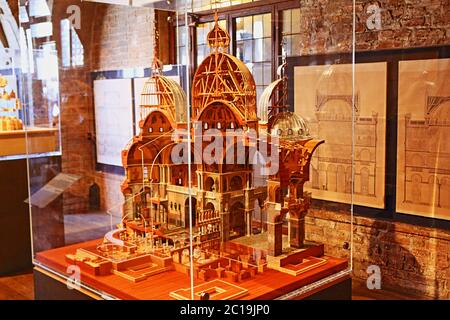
{"points": [[290, 126]]}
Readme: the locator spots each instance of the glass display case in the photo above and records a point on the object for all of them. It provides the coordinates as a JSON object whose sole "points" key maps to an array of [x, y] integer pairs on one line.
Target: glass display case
{"points": [[29, 118], [199, 153]]}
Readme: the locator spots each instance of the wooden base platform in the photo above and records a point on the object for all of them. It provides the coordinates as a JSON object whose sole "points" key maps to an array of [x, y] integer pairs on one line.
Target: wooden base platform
{"points": [[267, 285]]}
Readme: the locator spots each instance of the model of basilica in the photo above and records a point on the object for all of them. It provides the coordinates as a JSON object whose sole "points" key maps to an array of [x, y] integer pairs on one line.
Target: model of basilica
{"points": [[219, 197]]}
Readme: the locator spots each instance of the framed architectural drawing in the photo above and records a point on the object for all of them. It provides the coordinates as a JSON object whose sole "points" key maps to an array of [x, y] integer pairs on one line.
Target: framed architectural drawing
{"points": [[323, 96], [113, 118], [423, 160]]}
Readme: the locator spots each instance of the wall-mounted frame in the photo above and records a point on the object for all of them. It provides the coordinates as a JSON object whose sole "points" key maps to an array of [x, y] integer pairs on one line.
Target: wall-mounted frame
{"points": [[130, 83], [423, 159], [323, 96], [113, 104], [392, 58]]}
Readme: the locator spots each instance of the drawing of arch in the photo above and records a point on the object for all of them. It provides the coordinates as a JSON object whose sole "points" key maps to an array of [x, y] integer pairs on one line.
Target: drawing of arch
{"points": [[331, 177], [416, 188], [322, 176], [341, 178], [348, 180], [444, 193], [338, 107], [364, 181], [365, 155], [439, 107]]}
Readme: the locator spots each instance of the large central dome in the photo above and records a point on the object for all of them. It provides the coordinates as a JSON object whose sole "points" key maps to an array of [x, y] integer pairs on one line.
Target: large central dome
{"points": [[223, 79]]}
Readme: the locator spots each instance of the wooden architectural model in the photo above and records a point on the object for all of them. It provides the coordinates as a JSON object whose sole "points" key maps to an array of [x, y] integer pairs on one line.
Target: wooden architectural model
{"points": [[164, 198]]}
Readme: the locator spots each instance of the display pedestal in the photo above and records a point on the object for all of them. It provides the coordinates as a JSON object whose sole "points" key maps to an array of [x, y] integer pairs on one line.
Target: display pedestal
{"points": [[15, 254], [49, 286]]}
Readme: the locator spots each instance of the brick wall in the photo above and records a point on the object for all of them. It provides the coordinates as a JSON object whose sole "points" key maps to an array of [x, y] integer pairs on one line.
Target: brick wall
{"points": [[327, 25], [123, 38], [412, 259]]}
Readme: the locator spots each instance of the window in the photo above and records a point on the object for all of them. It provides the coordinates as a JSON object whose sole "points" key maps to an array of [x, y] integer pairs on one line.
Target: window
{"points": [[253, 39], [254, 47], [182, 45], [201, 5], [291, 31], [77, 49], [202, 31], [72, 51]]}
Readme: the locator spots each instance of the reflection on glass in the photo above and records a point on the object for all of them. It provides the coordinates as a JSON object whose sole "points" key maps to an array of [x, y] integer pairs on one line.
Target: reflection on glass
{"points": [[254, 47], [201, 5], [202, 32], [72, 50], [181, 45], [291, 31]]}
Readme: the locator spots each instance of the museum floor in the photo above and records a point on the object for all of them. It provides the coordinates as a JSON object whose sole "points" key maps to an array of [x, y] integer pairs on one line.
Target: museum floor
{"points": [[20, 287]]}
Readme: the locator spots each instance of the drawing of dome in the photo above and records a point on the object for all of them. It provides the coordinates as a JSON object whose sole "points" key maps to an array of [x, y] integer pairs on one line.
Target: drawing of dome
{"points": [[290, 126]]}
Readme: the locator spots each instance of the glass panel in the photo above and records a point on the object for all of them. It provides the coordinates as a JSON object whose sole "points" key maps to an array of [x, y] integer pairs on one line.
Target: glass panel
{"points": [[248, 50], [91, 107], [202, 32], [287, 21], [247, 31], [127, 196], [257, 35], [267, 32], [267, 49], [296, 20], [258, 26], [293, 35], [257, 72], [258, 50]]}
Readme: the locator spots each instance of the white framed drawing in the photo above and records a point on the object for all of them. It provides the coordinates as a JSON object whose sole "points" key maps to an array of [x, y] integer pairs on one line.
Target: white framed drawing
{"points": [[113, 118]]}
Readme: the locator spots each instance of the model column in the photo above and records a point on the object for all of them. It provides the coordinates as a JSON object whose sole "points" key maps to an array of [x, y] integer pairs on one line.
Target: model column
{"points": [[225, 221], [274, 231]]}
